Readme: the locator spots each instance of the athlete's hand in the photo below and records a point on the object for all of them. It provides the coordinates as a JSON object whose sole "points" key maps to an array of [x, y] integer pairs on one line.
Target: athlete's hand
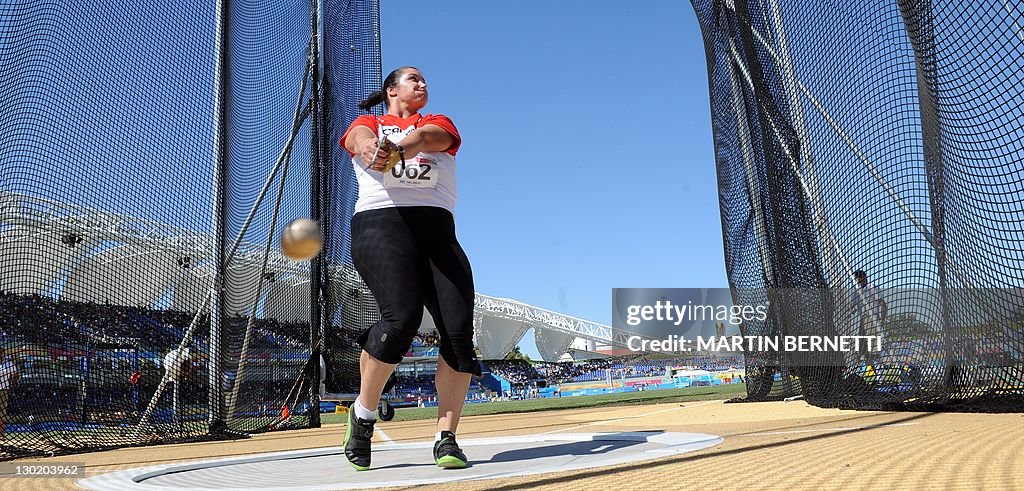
{"points": [[372, 157], [391, 155], [382, 158]]}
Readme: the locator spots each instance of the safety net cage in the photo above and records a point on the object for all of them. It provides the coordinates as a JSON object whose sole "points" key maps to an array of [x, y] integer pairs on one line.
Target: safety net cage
{"points": [[151, 155], [875, 149]]}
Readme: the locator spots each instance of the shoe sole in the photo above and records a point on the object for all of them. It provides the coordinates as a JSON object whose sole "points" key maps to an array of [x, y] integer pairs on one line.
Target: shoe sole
{"points": [[449, 462], [348, 434]]}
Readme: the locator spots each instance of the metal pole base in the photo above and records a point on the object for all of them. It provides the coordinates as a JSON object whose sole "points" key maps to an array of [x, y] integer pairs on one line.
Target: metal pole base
{"points": [[219, 430]]}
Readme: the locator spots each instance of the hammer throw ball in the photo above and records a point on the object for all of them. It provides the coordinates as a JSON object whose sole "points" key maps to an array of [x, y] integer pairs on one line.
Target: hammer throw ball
{"points": [[301, 239]]}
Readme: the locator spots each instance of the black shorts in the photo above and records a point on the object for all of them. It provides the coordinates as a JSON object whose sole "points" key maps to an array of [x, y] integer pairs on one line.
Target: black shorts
{"points": [[410, 259]]}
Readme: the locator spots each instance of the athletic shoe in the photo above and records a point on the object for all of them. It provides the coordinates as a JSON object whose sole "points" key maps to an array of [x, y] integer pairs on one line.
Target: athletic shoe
{"points": [[447, 453], [358, 433]]}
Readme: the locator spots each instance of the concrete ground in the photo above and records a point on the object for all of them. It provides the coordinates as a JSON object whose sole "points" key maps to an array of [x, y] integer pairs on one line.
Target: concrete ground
{"points": [[770, 445]]}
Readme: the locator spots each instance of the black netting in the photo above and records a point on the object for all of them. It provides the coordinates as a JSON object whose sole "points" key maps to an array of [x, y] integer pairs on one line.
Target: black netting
{"points": [[883, 137], [353, 71], [116, 115]]}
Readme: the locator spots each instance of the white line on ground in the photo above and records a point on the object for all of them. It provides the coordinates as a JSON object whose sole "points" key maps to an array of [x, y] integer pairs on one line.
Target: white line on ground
{"points": [[616, 420], [384, 435], [765, 433]]}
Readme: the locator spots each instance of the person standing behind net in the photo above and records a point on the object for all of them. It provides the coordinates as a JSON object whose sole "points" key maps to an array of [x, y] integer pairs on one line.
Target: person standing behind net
{"points": [[8, 376], [872, 310], [404, 248]]}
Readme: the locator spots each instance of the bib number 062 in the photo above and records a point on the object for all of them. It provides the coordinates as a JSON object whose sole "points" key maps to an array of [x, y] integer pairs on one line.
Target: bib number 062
{"points": [[418, 172]]}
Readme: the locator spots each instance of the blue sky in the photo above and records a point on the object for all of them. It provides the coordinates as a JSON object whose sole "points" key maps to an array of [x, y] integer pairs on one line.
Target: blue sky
{"points": [[587, 160]]}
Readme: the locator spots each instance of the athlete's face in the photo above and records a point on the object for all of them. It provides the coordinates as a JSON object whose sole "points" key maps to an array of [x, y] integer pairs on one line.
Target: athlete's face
{"points": [[411, 89]]}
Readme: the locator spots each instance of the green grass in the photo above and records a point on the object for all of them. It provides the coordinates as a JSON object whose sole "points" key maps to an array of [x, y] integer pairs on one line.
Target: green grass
{"points": [[576, 402]]}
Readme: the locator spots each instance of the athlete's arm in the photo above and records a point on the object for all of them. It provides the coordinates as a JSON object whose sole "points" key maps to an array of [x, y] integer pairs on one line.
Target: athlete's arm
{"points": [[428, 138], [362, 142]]}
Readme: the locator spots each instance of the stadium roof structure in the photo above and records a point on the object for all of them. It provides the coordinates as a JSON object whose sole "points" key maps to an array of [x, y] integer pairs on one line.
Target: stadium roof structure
{"points": [[80, 254]]}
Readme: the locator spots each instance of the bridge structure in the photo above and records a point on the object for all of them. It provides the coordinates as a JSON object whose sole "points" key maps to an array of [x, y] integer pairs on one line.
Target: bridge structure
{"points": [[502, 323]]}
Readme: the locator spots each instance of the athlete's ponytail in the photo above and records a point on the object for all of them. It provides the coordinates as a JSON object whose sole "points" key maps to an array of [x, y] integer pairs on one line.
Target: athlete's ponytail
{"points": [[379, 96], [375, 97]]}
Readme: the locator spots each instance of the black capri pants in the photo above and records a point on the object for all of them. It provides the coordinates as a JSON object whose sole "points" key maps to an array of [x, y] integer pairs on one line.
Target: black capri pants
{"points": [[410, 258]]}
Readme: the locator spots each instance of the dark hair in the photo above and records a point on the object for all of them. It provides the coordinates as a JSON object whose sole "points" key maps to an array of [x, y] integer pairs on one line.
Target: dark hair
{"points": [[379, 96], [860, 274]]}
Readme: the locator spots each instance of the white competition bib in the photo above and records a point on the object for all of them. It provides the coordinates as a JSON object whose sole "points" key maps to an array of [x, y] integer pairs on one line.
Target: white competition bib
{"points": [[416, 173]]}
